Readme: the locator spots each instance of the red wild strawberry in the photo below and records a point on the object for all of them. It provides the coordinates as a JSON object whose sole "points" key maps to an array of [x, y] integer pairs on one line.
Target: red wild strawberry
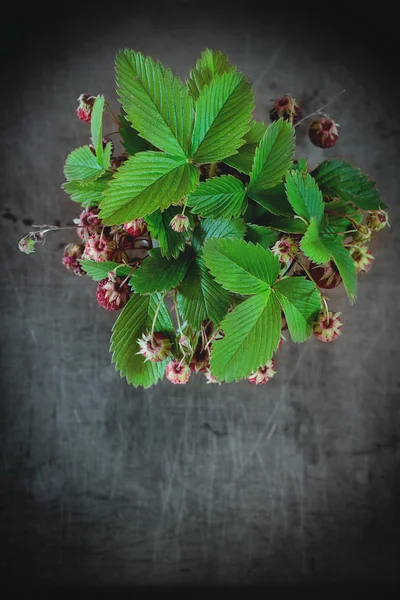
{"points": [[200, 361], [89, 223], [286, 248], [177, 372], [72, 252], [155, 348], [180, 223], [136, 228], [286, 108], [98, 248], [263, 374], [323, 133], [362, 257], [377, 219], [84, 110], [112, 293], [326, 276], [328, 327]]}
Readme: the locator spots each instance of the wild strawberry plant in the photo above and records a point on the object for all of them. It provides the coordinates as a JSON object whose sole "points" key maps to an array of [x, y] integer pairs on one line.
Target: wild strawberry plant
{"points": [[206, 232]]}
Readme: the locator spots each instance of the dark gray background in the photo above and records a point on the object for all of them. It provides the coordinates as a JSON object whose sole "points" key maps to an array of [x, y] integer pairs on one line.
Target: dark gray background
{"points": [[296, 481]]}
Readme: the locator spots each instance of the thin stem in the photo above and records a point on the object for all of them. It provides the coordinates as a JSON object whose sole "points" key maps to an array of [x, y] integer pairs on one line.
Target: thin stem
{"points": [[212, 169], [155, 316], [178, 320], [128, 276], [114, 116], [317, 112]]}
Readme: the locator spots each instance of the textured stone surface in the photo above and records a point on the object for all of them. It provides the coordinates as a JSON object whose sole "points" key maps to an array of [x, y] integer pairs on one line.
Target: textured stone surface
{"points": [[101, 483]]}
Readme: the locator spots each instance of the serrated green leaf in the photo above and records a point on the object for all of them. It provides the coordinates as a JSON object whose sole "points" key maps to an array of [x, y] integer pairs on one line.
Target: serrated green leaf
{"points": [[96, 128], [301, 303], [171, 242], [146, 182], [243, 160], [219, 197], [338, 179], [312, 245], [135, 319], [131, 139], [336, 211], [304, 196], [210, 64], [201, 297], [274, 200], [156, 103], [241, 267], [286, 224], [82, 165], [100, 270], [273, 157], [344, 262], [223, 113], [158, 274], [301, 165], [252, 332], [87, 194], [105, 155], [217, 228], [257, 234]]}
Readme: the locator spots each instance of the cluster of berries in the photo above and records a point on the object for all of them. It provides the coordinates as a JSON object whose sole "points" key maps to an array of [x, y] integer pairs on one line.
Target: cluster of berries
{"points": [[323, 132]]}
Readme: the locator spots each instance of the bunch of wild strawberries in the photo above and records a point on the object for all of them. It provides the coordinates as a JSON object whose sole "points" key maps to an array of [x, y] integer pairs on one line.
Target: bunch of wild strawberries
{"points": [[129, 244]]}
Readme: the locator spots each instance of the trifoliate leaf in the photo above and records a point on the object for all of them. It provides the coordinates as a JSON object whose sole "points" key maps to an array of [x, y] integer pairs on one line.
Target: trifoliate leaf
{"points": [[243, 160], [241, 267], [217, 228], [286, 224], [312, 245], [135, 319], [301, 303], [144, 183], [87, 194], [252, 332], [82, 165], [171, 242], [210, 64], [201, 297], [223, 113], [156, 103], [131, 139], [159, 274], [96, 128], [337, 179], [100, 270], [273, 157], [344, 262], [257, 234], [274, 200], [219, 197], [304, 195]]}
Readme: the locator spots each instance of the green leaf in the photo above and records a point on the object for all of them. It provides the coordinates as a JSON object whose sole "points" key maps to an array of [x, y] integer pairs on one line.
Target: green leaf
{"points": [[336, 209], [144, 183], [274, 200], [135, 319], [217, 228], [156, 102], [338, 179], [201, 297], [171, 242], [210, 64], [223, 113], [252, 332], [100, 270], [219, 197], [301, 165], [264, 236], [301, 303], [87, 194], [273, 157], [286, 224], [131, 139], [312, 245], [243, 160], [241, 267], [82, 165], [96, 128], [345, 264], [106, 156], [158, 274], [304, 195]]}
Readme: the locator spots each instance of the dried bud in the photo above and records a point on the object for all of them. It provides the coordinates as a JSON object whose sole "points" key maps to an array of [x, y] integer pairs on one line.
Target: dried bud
{"points": [[27, 244]]}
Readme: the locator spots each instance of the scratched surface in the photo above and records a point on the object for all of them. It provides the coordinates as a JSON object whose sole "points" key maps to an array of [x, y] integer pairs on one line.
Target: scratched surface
{"points": [[101, 483]]}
